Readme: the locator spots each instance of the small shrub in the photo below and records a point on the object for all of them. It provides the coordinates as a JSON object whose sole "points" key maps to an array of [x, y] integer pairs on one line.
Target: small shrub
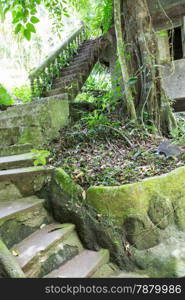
{"points": [[5, 98], [40, 157], [22, 93]]}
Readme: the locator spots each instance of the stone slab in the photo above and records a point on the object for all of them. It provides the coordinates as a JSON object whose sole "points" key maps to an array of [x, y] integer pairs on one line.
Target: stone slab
{"points": [[40, 241], [82, 265], [21, 160], [11, 208]]}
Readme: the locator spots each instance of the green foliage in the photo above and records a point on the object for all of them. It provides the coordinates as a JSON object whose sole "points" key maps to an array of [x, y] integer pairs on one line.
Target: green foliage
{"points": [[40, 157], [97, 14], [22, 93], [179, 133], [5, 98], [23, 15], [104, 15], [95, 119]]}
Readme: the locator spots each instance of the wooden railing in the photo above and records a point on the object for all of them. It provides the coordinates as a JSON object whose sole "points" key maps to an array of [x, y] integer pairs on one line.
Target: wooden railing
{"points": [[42, 77]]}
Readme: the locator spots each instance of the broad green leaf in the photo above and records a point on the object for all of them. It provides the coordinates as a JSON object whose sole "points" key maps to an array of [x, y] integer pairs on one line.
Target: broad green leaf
{"points": [[27, 34], [34, 20], [31, 27], [18, 28]]}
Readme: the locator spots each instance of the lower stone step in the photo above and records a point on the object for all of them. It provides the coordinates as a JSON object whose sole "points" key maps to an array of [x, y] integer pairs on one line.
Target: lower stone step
{"points": [[32, 107], [122, 274], [27, 180], [47, 249], [14, 173], [19, 120], [106, 271], [21, 217], [15, 149], [83, 265], [17, 161]]}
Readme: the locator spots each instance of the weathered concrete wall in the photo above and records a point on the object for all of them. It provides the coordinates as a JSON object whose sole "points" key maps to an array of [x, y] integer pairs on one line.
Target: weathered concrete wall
{"points": [[174, 78], [164, 12], [35, 123]]}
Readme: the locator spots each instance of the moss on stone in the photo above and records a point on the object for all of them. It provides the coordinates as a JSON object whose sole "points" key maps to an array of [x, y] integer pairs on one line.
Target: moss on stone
{"points": [[95, 231], [68, 186], [142, 207], [31, 135]]}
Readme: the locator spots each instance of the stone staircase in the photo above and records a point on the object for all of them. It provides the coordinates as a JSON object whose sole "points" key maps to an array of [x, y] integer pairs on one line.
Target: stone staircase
{"points": [[73, 77], [41, 246]]}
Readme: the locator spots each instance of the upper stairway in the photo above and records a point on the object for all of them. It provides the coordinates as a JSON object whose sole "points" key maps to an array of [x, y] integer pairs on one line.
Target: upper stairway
{"points": [[54, 83], [73, 77], [66, 69]]}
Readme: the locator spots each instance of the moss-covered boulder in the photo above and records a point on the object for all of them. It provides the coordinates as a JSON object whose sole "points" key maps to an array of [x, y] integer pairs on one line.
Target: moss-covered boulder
{"points": [[96, 231], [145, 208], [167, 259]]}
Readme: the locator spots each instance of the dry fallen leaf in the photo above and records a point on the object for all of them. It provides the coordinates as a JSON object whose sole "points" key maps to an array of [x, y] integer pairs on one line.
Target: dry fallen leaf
{"points": [[42, 226], [84, 195], [15, 252]]}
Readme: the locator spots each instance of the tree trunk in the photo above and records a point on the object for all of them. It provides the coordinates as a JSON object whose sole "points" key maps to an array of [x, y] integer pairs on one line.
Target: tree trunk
{"points": [[150, 100], [122, 59]]}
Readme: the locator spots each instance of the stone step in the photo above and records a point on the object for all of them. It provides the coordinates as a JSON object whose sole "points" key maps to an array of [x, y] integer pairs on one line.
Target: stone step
{"points": [[15, 149], [80, 58], [62, 80], [55, 92], [67, 79], [83, 265], [75, 68], [10, 208], [122, 274], [106, 271], [63, 96], [68, 88], [76, 64], [20, 120], [20, 217], [75, 74], [87, 47], [17, 161], [88, 50], [65, 84], [33, 107], [32, 248], [28, 180], [12, 174]]}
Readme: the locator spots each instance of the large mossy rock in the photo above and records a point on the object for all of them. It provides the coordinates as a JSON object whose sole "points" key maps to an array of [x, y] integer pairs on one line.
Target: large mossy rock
{"points": [[144, 209], [142, 224], [167, 259]]}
